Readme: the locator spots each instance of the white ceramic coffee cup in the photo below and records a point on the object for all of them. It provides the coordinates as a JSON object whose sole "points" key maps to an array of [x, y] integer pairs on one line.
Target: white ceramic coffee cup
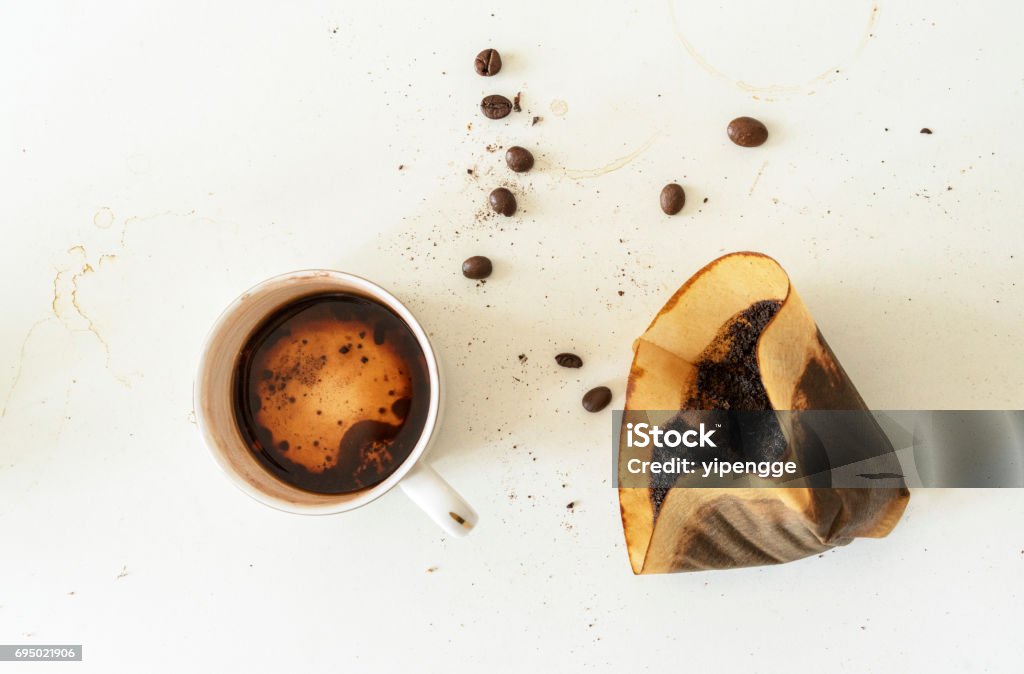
{"points": [[216, 420]]}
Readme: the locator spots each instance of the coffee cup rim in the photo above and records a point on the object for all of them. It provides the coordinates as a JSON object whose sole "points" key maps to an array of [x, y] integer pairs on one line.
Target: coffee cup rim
{"points": [[357, 285]]}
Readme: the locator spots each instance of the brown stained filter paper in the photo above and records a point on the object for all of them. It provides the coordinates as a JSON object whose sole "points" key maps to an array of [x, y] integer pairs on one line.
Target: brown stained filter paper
{"points": [[701, 529]]}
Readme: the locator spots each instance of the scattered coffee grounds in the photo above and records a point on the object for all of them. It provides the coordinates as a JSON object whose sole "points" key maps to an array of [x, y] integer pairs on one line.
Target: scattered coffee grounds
{"points": [[477, 267], [926, 130], [747, 132], [488, 62], [569, 360], [515, 102], [495, 106], [519, 159], [535, 120], [503, 201], [672, 198], [596, 399]]}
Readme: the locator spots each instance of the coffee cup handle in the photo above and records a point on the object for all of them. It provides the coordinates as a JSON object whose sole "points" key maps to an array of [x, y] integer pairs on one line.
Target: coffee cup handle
{"points": [[436, 497]]}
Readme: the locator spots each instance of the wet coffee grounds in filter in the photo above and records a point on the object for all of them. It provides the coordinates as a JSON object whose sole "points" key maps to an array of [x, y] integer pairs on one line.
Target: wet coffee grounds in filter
{"points": [[728, 374], [729, 379]]}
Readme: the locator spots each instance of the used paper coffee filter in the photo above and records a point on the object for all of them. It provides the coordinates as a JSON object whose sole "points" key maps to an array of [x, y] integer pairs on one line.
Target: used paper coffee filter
{"points": [[690, 529]]}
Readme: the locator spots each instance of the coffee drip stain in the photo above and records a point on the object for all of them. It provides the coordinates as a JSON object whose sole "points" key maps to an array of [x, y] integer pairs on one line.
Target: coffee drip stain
{"points": [[825, 382], [757, 179], [65, 302], [20, 365], [826, 76], [614, 165], [332, 393]]}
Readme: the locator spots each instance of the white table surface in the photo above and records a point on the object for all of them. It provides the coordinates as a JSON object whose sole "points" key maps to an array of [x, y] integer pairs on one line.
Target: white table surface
{"points": [[158, 160]]}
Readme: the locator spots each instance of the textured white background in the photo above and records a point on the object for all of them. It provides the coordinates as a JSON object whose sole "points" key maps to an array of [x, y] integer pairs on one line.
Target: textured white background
{"points": [[157, 160]]}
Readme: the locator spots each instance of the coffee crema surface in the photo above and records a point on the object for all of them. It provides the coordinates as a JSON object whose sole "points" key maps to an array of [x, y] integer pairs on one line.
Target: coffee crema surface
{"points": [[331, 393]]}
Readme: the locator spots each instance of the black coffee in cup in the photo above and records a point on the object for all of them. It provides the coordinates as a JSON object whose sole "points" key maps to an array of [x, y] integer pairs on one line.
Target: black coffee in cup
{"points": [[331, 393]]}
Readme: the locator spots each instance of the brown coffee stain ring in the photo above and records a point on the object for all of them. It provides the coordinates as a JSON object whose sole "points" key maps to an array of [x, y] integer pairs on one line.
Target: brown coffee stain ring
{"points": [[824, 77]]}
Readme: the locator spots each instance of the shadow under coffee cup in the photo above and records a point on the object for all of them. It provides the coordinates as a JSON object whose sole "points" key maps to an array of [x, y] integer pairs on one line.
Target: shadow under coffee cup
{"points": [[216, 409]]}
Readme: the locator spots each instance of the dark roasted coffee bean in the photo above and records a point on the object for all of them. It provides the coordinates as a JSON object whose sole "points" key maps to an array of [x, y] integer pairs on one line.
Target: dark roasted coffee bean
{"points": [[569, 360], [596, 399], [519, 159], [503, 201], [477, 267], [495, 106], [488, 62], [747, 132], [672, 198], [926, 131]]}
